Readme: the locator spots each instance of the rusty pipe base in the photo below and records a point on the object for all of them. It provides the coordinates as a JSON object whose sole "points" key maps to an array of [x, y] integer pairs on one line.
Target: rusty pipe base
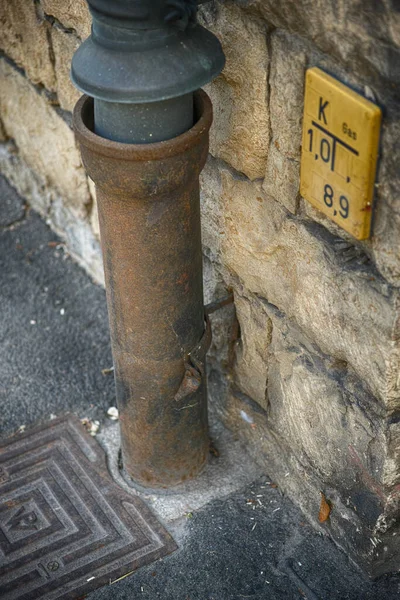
{"points": [[149, 214]]}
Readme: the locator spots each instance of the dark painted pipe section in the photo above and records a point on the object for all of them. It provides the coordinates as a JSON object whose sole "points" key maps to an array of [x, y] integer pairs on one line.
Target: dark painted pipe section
{"points": [[149, 211], [143, 123]]}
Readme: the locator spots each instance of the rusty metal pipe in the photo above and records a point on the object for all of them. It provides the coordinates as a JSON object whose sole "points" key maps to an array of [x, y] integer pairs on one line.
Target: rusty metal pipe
{"points": [[149, 213], [140, 69]]}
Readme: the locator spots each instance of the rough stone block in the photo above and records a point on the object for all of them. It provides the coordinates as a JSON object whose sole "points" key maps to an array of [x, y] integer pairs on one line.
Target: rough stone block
{"points": [[64, 46], [211, 210], [322, 408], [223, 321], [287, 75], [391, 474], [240, 134], [252, 350], [82, 243], [44, 140], [384, 245], [364, 517], [282, 179], [25, 38], [347, 309], [72, 14], [362, 35]]}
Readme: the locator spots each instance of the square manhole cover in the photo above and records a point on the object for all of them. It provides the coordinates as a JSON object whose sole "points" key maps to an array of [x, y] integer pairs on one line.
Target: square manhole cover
{"points": [[65, 527]]}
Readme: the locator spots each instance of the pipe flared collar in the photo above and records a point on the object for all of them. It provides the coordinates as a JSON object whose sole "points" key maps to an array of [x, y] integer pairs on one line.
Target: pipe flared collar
{"points": [[169, 163]]}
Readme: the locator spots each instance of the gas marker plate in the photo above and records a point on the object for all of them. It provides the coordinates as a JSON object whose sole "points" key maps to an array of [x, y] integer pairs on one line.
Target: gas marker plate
{"points": [[339, 152], [65, 527]]}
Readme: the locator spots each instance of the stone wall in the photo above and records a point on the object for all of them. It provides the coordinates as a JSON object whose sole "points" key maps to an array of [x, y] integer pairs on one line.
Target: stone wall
{"points": [[38, 152], [305, 366]]}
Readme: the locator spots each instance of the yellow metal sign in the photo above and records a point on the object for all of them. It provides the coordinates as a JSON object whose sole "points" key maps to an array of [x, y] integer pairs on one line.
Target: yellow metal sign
{"points": [[339, 152]]}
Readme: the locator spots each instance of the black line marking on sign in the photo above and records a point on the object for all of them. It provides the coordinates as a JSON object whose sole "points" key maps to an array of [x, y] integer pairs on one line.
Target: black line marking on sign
{"points": [[334, 137], [333, 156]]}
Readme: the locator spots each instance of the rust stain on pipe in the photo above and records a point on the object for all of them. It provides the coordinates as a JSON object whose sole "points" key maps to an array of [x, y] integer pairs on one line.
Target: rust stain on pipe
{"points": [[149, 213]]}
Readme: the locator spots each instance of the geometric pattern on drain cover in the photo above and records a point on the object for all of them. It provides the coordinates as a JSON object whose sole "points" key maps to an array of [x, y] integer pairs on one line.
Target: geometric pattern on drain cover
{"points": [[65, 527]]}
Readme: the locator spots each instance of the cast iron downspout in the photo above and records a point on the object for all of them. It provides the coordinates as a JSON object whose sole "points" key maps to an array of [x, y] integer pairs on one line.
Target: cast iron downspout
{"points": [[143, 130]]}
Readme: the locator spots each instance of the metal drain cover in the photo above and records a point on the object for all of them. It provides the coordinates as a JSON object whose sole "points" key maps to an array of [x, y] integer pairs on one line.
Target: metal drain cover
{"points": [[65, 527]]}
